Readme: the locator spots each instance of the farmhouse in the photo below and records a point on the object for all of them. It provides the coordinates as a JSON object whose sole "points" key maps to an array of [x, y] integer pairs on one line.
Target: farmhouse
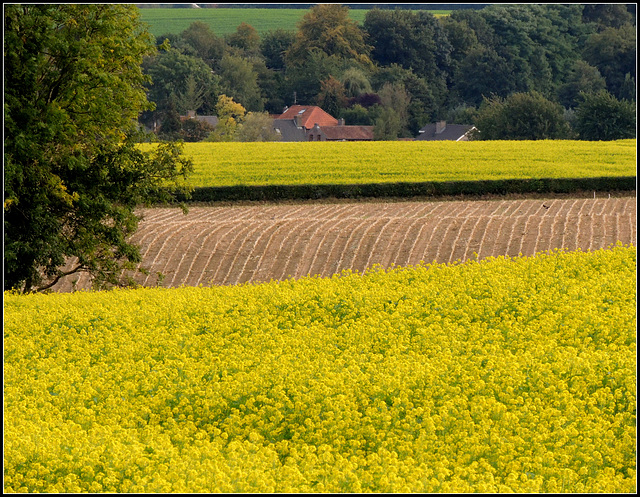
{"points": [[311, 123], [191, 114], [443, 131]]}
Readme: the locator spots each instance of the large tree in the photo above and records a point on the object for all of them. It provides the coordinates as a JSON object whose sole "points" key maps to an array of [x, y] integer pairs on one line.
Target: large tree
{"points": [[73, 173], [327, 27]]}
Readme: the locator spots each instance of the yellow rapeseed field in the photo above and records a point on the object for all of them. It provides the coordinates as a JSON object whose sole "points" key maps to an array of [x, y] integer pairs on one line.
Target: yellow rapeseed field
{"points": [[229, 164], [499, 375]]}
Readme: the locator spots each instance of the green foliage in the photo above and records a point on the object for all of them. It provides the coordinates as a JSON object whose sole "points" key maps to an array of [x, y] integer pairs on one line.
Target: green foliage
{"points": [[355, 82], [206, 45], [613, 52], [601, 116], [73, 175], [230, 114], [257, 127], [412, 39], [394, 118], [582, 78], [238, 78], [273, 46], [356, 115], [521, 116], [332, 96], [327, 27], [245, 38], [557, 50], [171, 72]]}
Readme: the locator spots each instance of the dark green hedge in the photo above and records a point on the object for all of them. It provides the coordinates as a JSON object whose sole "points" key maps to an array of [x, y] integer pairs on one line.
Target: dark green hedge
{"points": [[428, 189]]}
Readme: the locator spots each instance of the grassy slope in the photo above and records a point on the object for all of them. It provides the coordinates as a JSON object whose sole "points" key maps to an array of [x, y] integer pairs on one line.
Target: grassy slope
{"points": [[225, 21]]}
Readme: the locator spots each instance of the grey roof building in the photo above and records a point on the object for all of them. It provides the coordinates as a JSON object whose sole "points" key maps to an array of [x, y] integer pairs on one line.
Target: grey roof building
{"points": [[443, 131]]}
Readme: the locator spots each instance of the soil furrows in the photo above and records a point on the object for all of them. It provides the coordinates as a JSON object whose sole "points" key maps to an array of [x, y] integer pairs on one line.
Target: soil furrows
{"points": [[387, 243], [239, 247], [330, 233], [372, 238], [561, 210], [298, 248], [532, 229], [202, 268], [461, 243], [284, 257], [238, 244], [345, 247], [156, 249], [476, 237], [253, 254], [433, 248], [183, 242], [195, 260], [265, 260]]}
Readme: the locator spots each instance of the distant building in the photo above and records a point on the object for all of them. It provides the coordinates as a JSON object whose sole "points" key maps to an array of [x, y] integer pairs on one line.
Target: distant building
{"points": [[210, 120], [443, 131], [311, 123]]}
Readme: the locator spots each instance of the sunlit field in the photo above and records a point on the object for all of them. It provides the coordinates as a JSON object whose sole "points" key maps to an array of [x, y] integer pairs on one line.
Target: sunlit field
{"points": [[498, 375], [291, 163]]}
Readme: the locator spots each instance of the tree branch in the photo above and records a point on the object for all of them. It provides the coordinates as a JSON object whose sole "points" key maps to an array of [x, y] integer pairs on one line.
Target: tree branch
{"points": [[78, 268]]}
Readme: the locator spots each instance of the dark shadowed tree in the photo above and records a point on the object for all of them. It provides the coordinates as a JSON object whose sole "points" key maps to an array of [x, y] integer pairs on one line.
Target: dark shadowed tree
{"points": [[613, 52], [521, 116], [601, 116], [412, 39], [273, 46], [582, 78], [74, 88], [332, 97]]}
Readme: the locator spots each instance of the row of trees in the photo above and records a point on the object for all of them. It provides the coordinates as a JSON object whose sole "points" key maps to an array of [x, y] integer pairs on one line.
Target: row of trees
{"points": [[402, 68]]}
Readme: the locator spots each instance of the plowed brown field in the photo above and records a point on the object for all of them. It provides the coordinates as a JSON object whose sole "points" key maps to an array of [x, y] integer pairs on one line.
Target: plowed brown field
{"points": [[238, 244]]}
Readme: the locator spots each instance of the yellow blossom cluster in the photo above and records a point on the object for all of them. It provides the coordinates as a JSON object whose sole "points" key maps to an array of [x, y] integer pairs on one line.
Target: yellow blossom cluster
{"points": [[498, 375], [275, 163]]}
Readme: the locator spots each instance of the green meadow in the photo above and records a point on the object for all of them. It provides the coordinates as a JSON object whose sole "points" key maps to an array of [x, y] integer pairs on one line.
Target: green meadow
{"points": [[224, 21]]}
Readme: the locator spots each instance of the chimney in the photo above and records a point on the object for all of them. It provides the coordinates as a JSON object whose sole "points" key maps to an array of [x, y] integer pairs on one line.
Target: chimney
{"points": [[440, 126], [297, 120], [191, 114], [341, 121]]}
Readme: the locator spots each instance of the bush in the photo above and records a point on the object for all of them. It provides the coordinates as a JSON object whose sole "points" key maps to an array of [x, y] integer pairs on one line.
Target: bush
{"points": [[601, 116], [521, 116]]}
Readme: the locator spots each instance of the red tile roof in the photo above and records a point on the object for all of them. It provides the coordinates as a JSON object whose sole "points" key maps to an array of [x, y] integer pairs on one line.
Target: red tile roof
{"points": [[309, 116]]}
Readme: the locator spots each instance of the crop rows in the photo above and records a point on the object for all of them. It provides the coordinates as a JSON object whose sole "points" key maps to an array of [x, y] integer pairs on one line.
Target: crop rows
{"points": [[239, 244]]}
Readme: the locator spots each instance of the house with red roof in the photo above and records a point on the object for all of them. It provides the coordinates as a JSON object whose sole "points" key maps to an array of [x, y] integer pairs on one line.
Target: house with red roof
{"points": [[311, 123]]}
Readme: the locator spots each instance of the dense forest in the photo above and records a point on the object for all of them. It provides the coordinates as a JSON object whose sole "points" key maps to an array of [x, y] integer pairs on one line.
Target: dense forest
{"points": [[555, 70]]}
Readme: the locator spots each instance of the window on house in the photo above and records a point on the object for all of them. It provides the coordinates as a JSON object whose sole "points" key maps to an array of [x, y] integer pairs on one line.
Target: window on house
{"points": [[310, 138]]}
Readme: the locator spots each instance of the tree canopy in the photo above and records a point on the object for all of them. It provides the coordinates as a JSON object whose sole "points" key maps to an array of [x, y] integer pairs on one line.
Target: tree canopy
{"points": [[445, 63], [74, 89]]}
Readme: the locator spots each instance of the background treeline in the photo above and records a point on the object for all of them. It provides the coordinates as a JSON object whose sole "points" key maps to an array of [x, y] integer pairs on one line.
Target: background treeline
{"points": [[515, 71]]}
